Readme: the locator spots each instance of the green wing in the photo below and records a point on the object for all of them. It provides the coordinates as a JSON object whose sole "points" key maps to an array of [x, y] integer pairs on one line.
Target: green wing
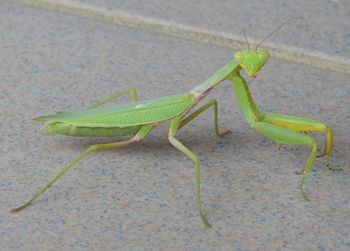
{"points": [[126, 115]]}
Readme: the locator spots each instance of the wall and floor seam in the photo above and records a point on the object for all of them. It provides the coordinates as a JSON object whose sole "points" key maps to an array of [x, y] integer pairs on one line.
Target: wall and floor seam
{"points": [[292, 54]]}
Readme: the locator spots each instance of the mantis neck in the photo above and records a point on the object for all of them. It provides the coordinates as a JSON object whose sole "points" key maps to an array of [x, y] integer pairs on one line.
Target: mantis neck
{"points": [[216, 78], [231, 72], [244, 98]]}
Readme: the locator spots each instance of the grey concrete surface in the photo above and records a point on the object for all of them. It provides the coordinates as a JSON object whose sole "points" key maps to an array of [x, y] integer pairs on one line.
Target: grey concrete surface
{"points": [[338, 61], [324, 27], [143, 197]]}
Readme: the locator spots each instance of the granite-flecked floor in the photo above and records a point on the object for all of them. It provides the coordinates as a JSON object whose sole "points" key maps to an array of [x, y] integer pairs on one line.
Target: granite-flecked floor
{"points": [[143, 197]]}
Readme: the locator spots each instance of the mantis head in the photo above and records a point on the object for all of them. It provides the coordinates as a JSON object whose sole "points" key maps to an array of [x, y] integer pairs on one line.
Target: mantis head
{"points": [[251, 61]]}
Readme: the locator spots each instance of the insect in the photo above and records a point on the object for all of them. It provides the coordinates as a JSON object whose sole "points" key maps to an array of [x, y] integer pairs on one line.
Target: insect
{"points": [[139, 118]]}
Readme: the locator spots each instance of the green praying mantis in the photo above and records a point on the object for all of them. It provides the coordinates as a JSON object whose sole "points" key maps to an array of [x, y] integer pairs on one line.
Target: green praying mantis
{"points": [[139, 118]]}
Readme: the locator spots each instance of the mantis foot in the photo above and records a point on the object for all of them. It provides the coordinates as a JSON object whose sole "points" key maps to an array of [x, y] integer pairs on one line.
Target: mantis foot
{"points": [[17, 209], [204, 220], [228, 132], [299, 172], [281, 146], [302, 189], [332, 167], [304, 196]]}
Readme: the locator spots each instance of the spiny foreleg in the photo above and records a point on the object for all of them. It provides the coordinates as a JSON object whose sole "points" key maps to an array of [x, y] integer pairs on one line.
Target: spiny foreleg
{"points": [[303, 125], [288, 136]]}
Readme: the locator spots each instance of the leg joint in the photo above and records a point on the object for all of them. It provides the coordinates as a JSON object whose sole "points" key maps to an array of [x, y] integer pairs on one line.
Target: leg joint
{"points": [[92, 149], [171, 137], [137, 138], [313, 144]]}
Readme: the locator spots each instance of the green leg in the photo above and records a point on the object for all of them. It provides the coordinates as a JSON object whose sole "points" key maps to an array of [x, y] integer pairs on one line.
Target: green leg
{"points": [[211, 103], [144, 130], [131, 91], [304, 125], [175, 123], [287, 136]]}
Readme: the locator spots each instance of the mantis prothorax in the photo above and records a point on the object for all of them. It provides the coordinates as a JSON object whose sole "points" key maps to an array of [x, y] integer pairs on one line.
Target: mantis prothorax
{"points": [[139, 118]]}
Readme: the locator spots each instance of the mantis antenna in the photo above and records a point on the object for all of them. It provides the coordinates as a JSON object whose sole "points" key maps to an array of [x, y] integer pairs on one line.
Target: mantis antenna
{"points": [[246, 39], [276, 30]]}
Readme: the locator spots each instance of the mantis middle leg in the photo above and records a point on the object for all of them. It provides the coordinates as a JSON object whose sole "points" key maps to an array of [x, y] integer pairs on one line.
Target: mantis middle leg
{"points": [[193, 115], [143, 132], [131, 91], [174, 126]]}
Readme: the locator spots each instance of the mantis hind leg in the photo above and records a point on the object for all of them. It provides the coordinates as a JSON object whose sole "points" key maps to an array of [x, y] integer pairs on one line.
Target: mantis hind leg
{"points": [[288, 136], [175, 123], [131, 91], [193, 115], [143, 132]]}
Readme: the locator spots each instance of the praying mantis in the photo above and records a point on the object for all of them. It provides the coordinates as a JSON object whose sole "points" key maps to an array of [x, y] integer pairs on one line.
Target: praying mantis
{"points": [[139, 118]]}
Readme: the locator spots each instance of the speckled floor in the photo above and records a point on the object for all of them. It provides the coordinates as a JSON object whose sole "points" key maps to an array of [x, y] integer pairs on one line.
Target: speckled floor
{"points": [[143, 197]]}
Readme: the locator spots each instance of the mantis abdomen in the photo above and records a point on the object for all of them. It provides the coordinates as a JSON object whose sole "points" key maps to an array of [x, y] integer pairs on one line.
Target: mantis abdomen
{"points": [[79, 131]]}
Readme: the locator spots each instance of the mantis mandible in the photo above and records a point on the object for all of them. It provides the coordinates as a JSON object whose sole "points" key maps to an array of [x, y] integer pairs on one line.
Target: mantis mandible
{"points": [[139, 118]]}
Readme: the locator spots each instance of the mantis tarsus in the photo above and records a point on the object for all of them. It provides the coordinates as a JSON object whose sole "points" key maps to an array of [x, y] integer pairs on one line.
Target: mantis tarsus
{"points": [[139, 118]]}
